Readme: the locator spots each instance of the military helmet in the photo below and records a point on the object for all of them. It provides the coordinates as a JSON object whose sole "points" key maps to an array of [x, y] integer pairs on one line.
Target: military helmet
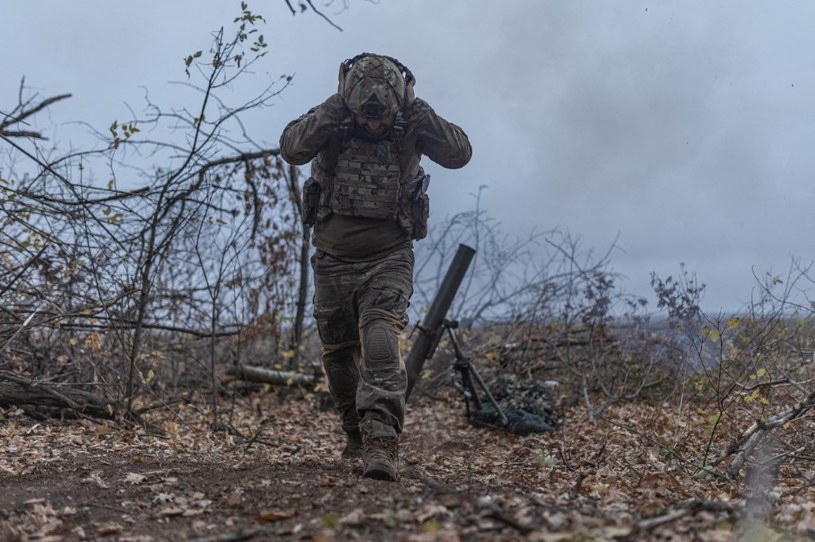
{"points": [[374, 86]]}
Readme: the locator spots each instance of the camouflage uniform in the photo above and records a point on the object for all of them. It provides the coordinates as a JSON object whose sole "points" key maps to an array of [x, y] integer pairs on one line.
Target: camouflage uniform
{"points": [[364, 224]]}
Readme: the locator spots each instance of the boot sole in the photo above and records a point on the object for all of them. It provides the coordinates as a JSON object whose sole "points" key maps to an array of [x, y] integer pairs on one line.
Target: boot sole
{"points": [[379, 470]]}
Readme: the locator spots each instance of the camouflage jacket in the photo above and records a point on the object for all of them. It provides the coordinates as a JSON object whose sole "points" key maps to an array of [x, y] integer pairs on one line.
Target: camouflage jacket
{"points": [[318, 137], [315, 133]]}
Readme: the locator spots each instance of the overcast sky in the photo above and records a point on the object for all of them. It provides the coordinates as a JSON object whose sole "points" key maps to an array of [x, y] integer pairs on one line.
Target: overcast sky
{"points": [[681, 128]]}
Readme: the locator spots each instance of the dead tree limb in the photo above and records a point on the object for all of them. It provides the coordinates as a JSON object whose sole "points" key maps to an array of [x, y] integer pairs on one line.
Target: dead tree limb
{"points": [[23, 110], [19, 391], [271, 376], [689, 507], [756, 433]]}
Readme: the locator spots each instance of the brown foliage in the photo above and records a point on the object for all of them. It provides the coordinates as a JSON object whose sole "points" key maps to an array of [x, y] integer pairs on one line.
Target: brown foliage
{"points": [[278, 474]]}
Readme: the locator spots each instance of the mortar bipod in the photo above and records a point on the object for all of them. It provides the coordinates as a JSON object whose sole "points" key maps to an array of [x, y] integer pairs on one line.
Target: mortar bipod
{"points": [[469, 376]]}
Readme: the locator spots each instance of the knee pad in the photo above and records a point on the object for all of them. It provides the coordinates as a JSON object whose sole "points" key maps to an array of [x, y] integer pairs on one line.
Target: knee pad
{"points": [[381, 342]]}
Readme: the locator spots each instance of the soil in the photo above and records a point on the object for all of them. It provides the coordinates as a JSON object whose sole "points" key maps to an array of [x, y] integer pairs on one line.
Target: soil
{"points": [[277, 474]]}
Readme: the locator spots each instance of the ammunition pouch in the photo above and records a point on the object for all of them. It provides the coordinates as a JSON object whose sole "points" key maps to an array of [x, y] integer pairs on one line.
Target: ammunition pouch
{"points": [[419, 208], [419, 215], [311, 201]]}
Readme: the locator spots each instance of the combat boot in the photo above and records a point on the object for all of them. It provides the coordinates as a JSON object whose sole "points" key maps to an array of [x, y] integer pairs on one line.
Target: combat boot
{"points": [[353, 444], [380, 458]]}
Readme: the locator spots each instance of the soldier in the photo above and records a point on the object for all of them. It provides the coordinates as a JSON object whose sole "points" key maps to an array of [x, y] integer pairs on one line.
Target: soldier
{"points": [[366, 201]]}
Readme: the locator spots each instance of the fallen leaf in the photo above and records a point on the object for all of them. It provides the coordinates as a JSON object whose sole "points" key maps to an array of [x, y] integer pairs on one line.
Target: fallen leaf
{"points": [[134, 478], [44, 509], [108, 528], [96, 478], [164, 497], [614, 531], [170, 511], [354, 517], [276, 515], [444, 535]]}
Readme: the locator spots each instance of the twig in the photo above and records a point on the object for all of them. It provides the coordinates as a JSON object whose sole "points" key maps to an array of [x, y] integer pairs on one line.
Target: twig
{"points": [[315, 10], [22, 271], [755, 433], [230, 537], [25, 113], [689, 507], [652, 523], [575, 492], [798, 489], [22, 327]]}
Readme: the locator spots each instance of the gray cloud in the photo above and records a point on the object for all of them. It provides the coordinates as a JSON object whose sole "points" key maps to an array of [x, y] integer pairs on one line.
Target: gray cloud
{"points": [[682, 126]]}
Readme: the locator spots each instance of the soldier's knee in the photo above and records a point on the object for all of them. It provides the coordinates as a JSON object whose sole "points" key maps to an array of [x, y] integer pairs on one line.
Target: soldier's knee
{"points": [[381, 342]]}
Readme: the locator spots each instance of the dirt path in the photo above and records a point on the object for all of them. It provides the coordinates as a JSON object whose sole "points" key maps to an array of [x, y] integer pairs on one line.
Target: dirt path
{"points": [[286, 481], [308, 499]]}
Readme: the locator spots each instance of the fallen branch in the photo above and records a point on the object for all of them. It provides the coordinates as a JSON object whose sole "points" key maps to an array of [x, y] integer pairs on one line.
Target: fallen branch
{"points": [[756, 433], [271, 376], [238, 536], [689, 507], [653, 523], [19, 391]]}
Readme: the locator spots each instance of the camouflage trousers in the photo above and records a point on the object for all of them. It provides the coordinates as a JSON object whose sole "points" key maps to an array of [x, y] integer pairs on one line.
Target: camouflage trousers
{"points": [[360, 309]]}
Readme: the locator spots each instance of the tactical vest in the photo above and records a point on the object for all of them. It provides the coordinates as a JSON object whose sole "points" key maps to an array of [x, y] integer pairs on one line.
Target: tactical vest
{"points": [[367, 180]]}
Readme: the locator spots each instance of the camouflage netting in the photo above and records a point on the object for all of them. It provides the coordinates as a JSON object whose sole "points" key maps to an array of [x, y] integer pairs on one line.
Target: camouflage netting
{"points": [[529, 407]]}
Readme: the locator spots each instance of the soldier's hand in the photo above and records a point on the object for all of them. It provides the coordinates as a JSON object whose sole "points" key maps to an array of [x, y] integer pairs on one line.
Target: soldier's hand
{"points": [[341, 81], [410, 95]]}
